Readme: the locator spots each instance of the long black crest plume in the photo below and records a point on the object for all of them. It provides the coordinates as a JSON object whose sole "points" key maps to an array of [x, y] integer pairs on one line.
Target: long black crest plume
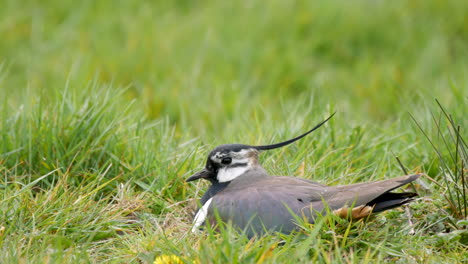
{"points": [[287, 142]]}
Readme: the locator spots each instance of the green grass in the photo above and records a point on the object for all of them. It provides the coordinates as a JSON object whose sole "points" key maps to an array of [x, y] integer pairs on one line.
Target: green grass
{"points": [[107, 106]]}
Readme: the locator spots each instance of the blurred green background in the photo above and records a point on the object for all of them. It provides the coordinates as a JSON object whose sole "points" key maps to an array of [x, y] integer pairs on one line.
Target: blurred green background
{"points": [[204, 64]]}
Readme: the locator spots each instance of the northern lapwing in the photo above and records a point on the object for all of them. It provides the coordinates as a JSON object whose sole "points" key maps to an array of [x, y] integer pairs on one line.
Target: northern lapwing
{"points": [[243, 193]]}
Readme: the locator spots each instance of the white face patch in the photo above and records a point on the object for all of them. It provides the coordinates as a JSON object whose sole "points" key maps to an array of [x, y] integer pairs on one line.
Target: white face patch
{"points": [[228, 174], [241, 162], [200, 217]]}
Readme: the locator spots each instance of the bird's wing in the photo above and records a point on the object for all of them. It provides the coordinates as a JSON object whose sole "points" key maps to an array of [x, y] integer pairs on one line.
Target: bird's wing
{"points": [[365, 193], [268, 204]]}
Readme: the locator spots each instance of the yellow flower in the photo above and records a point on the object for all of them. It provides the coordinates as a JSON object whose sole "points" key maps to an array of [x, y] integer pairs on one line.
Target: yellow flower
{"points": [[168, 259]]}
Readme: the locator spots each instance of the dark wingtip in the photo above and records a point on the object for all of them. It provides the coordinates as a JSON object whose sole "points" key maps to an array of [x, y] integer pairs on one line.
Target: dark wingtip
{"points": [[409, 178], [287, 142]]}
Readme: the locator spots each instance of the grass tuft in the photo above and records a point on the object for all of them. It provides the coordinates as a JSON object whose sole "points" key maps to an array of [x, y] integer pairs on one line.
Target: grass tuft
{"points": [[452, 152]]}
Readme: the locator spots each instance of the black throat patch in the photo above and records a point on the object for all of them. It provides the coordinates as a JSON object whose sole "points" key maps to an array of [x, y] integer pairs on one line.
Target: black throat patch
{"points": [[214, 189]]}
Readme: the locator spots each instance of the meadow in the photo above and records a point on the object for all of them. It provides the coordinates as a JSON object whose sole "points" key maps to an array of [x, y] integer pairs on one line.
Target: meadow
{"points": [[108, 106]]}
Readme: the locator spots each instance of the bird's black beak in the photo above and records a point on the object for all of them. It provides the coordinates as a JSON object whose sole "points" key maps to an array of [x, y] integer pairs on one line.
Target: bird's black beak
{"points": [[203, 174]]}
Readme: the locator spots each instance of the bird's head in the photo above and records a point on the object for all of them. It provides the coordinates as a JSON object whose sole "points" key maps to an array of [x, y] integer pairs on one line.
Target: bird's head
{"points": [[229, 161]]}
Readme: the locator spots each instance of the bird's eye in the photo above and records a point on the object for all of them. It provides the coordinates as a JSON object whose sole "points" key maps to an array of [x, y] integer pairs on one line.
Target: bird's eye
{"points": [[226, 161]]}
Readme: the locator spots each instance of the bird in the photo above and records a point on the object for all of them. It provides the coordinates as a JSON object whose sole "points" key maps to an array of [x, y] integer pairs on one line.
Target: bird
{"points": [[244, 194]]}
